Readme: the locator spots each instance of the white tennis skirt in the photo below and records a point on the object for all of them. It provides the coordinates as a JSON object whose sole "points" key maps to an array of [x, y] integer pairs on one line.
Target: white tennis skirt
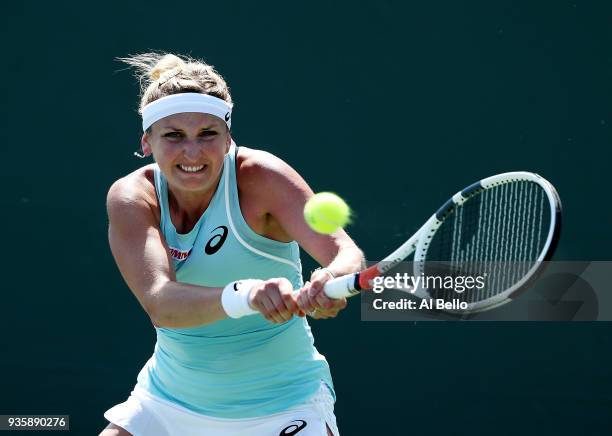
{"points": [[146, 415]]}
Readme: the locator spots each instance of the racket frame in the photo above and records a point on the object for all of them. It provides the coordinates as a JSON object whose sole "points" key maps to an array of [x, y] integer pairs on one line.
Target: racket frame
{"points": [[352, 284], [435, 222]]}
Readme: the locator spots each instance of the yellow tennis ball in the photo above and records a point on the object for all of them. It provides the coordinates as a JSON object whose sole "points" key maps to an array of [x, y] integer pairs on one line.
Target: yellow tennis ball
{"points": [[325, 213]]}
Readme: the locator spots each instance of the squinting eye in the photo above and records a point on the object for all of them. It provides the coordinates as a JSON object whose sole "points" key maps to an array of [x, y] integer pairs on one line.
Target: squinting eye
{"points": [[172, 135], [209, 133]]}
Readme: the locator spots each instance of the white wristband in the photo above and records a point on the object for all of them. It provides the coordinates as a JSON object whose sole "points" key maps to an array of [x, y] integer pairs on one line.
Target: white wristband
{"points": [[235, 298]]}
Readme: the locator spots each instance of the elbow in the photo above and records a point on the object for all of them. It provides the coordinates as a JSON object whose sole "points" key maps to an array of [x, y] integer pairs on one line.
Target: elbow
{"points": [[153, 305], [160, 317], [163, 310], [164, 321], [153, 309]]}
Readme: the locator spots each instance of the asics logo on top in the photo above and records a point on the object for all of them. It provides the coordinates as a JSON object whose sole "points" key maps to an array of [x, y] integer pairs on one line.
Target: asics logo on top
{"points": [[214, 244], [294, 428]]}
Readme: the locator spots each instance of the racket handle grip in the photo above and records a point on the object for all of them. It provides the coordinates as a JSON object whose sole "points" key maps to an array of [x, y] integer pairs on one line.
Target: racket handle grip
{"points": [[342, 287]]}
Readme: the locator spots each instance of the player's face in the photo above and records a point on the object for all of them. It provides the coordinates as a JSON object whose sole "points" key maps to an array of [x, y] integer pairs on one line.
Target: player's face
{"points": [[189, 149]]}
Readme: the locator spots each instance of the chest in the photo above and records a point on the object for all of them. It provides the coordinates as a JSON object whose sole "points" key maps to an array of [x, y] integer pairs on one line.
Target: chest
{"points": [[212, 253], [254, 213]]}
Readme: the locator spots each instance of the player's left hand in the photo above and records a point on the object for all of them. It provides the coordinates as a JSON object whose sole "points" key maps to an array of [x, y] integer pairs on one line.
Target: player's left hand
{"points": [[313, 301]]}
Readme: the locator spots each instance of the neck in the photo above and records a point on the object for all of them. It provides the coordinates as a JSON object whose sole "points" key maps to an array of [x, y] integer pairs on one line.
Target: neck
{"points": [[186, 207]]}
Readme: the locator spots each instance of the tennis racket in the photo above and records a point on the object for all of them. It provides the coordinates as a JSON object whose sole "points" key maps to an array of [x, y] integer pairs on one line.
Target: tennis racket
{"points": [[504, 227]]}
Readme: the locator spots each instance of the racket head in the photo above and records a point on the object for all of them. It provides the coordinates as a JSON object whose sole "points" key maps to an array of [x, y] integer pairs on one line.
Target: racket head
{"points": [[505, 227]]}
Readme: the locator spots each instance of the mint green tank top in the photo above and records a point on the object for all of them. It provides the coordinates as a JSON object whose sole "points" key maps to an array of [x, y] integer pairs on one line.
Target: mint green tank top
{"points": [[233, 368]]}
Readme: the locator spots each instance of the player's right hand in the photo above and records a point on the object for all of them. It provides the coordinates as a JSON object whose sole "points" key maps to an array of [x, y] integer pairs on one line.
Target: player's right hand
{"points": [[275, 300]]}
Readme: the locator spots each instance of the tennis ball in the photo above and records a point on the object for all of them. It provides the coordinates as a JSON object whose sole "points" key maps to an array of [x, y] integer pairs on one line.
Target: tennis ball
{"points": [[325, 213]]}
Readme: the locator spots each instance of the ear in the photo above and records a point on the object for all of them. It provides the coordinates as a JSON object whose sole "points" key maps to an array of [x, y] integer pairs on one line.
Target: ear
{"points": [[228, 143], [144, 144]]}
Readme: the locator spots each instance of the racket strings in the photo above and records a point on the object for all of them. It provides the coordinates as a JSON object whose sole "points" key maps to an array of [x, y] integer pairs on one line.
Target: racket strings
{"points": [[496, 235]]}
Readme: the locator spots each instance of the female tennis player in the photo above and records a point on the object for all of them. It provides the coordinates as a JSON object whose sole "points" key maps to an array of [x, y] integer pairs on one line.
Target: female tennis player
{"points": [[207, 240]]}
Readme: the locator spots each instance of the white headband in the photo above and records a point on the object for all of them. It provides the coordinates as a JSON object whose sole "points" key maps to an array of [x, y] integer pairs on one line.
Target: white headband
{"points": [[187, 102]]}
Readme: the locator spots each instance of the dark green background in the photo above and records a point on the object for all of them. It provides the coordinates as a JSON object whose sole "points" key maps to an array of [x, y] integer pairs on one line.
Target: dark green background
{"points": [[394, 105]]}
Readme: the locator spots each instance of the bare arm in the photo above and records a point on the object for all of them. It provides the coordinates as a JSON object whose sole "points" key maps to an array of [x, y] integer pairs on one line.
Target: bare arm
{"points": [[282, 192], [143, 260]]}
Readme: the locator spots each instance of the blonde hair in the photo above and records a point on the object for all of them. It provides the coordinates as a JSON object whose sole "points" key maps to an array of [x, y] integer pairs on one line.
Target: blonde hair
{"points": [[162, 74]]}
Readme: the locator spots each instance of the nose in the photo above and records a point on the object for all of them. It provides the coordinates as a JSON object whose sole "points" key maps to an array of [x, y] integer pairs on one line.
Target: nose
{"points": [[192, 150]]}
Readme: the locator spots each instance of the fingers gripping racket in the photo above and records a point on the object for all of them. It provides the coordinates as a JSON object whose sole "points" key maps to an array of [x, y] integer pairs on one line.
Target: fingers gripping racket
{"points": [[505, 226]]}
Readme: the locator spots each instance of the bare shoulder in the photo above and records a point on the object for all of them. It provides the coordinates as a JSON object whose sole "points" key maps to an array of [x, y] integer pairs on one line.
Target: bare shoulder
{"points": [[272, 194], [261, 171], [135, 190]]}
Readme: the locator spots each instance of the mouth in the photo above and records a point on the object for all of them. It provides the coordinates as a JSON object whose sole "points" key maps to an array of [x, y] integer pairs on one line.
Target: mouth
{"points": [[191, 169]]}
